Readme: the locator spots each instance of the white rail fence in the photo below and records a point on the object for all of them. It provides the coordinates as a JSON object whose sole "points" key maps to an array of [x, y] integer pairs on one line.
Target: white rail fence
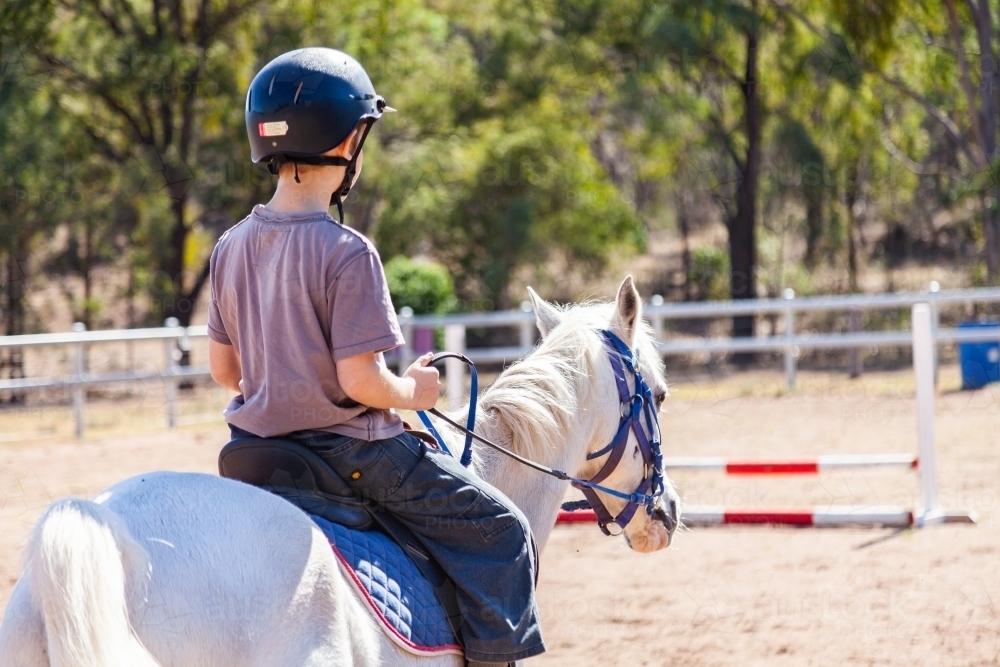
{"points": [[788, 342]]}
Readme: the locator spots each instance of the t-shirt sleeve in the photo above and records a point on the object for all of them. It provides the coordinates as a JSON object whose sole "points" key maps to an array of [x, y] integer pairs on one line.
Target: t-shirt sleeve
{"points": [[362, 318], [216, 327]]}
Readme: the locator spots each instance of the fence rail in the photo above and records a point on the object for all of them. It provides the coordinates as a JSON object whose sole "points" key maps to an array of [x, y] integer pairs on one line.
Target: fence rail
{"points": [[789, 343]]}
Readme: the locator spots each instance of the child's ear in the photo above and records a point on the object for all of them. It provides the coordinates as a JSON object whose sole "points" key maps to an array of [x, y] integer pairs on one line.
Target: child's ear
{"points": [[348, 146]]}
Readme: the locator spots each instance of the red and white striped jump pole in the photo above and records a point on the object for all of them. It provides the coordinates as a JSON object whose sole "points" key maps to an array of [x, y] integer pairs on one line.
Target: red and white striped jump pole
{"points": [[831, 516], [790, 467]]}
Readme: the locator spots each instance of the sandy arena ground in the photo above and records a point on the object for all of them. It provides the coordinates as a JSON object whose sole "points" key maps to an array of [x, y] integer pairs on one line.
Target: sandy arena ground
{"points": [[720, 596]]}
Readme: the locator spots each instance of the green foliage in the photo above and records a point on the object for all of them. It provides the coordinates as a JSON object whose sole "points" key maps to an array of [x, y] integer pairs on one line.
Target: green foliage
{"points": [[511, 192], [869, 25], [530, 135], [979, 276], [778, 271], [799, 167], [710, 273], [424, 286]]}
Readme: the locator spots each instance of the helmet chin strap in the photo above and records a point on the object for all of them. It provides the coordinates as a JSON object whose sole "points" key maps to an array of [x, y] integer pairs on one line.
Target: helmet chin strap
{"points": [[338, 196]]}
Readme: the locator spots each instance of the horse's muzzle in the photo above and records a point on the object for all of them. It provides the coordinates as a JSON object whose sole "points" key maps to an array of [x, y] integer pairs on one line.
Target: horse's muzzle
{"points": [[669, 516]]}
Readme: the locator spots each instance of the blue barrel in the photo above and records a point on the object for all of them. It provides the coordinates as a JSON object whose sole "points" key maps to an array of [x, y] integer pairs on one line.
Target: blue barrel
{"points": [[979, 362]]}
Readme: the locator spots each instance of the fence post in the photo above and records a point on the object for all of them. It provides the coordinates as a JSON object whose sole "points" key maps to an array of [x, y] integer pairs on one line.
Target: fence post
{"points": [[934, 288], [79, 389], [789, 295], [169, 347], [855, 358], [923, 370], [454, 341], [406, 328], [527, 329], [657, 320]]}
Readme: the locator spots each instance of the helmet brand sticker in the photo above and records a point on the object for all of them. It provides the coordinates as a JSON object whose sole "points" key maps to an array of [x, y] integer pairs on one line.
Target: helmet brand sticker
{"points": [[277, 129]]}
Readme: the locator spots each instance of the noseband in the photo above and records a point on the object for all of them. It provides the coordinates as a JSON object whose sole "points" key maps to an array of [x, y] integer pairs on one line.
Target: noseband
{"points": [[638, 416]]}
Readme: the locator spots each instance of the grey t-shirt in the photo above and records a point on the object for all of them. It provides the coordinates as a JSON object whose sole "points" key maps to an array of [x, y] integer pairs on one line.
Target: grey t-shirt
{"points": [[294, 295]]}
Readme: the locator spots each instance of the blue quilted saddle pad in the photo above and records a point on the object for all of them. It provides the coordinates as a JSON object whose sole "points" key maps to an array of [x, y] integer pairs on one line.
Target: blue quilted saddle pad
{"points": [[395, 590]]}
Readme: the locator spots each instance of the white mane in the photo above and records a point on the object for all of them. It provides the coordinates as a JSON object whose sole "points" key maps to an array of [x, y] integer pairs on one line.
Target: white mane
{"points": [[533, 402], [550, 406]]}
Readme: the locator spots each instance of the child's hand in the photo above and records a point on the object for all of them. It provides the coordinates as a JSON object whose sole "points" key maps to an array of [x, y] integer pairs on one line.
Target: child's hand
{"points": [[427, 383]]}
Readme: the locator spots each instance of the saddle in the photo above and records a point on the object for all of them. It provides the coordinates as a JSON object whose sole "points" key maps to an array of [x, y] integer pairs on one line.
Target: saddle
{"points": [[300, 476]]}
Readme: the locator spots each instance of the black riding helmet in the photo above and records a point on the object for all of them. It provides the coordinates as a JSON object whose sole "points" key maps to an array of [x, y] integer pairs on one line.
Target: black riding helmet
{"points": [[306, 102]]}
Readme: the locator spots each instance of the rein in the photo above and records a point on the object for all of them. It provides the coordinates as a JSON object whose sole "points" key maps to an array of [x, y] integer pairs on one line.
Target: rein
{"points": [[634, 408]]}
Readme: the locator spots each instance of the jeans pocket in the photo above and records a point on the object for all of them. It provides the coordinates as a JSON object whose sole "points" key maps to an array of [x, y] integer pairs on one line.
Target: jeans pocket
{"points": [[386, 471], [367, 468], [405, 450], [324, 448], [489, 517]]}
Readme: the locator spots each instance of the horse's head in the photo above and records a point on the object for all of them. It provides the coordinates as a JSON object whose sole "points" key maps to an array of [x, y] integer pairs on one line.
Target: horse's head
{"points": [[608, 402]]}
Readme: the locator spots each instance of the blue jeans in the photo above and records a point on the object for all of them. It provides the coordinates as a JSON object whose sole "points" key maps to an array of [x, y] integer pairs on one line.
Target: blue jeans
{"points": [[474, 532]]}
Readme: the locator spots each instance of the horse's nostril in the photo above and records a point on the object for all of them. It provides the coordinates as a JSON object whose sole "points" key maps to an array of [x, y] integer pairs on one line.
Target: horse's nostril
{"points": [[669, 521], [668, 517]]}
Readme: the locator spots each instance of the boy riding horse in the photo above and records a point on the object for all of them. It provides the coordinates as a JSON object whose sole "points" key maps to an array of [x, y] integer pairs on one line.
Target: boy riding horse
{"points": [[299, 317]]}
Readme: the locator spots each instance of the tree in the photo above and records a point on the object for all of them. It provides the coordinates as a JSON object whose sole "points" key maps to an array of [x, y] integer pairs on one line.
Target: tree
{"points": [[923, 54], [500, 177], [157, 89], [972, 126], [36, 185], [718, 47]]}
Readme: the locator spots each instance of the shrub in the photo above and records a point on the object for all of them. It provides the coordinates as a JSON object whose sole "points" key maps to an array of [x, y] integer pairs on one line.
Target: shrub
{"points": [[710, 273], [423, 285]]}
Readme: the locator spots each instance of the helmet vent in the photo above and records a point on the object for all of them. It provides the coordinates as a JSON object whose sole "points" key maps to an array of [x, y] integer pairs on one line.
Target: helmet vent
{"points": [[270, 88], [297, 91]]}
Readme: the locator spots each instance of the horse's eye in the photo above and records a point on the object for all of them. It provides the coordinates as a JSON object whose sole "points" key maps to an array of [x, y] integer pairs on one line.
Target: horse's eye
{"points": [[660, 396]]}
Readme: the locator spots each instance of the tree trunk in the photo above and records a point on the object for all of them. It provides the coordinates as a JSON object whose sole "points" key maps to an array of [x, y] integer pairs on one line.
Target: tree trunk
{"points": [[87, 266], [992, 228], [683, 205], [174, 303], [988, 120], [814, 227], [742, 226], [14, 360], [850, 200], [15, 291], [983, 118]]}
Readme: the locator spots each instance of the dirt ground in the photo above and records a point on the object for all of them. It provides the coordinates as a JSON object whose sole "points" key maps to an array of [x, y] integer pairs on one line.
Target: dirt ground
{"points": [[718, 596]]}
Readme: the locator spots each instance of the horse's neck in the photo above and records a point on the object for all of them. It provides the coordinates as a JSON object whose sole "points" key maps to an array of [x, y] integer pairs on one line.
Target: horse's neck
{"points": [[537, 495]]}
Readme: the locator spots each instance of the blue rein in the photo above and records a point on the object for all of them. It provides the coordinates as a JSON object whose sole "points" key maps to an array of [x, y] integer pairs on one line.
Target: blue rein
{"points": [[641, 407], [470, 422]]}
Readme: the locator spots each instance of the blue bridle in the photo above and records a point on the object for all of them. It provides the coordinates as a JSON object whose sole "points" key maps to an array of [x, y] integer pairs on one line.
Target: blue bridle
{"points": [[639, 416]]}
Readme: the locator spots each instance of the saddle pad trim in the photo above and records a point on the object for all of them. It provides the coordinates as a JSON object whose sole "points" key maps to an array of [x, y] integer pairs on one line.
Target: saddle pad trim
{"points": [[388, 627]]}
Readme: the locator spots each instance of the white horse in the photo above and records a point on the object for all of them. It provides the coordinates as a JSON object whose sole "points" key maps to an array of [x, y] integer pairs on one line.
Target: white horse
{"points": [[191, 570]]}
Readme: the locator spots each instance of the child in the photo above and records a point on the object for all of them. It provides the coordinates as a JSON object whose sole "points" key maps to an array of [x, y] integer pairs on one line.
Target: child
{"points": [[298, 320]]}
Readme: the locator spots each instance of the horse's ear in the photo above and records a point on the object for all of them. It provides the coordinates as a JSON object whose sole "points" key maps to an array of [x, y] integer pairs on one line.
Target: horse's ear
{"points": [[628, 309], [546, 317]]}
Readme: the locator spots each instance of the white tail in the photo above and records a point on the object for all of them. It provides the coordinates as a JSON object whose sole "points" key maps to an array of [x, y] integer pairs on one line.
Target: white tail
{"points": [[79, 560]]}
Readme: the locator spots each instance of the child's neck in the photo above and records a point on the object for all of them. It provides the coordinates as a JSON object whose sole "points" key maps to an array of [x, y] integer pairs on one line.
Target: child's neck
{"points": [[312, 195]]}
